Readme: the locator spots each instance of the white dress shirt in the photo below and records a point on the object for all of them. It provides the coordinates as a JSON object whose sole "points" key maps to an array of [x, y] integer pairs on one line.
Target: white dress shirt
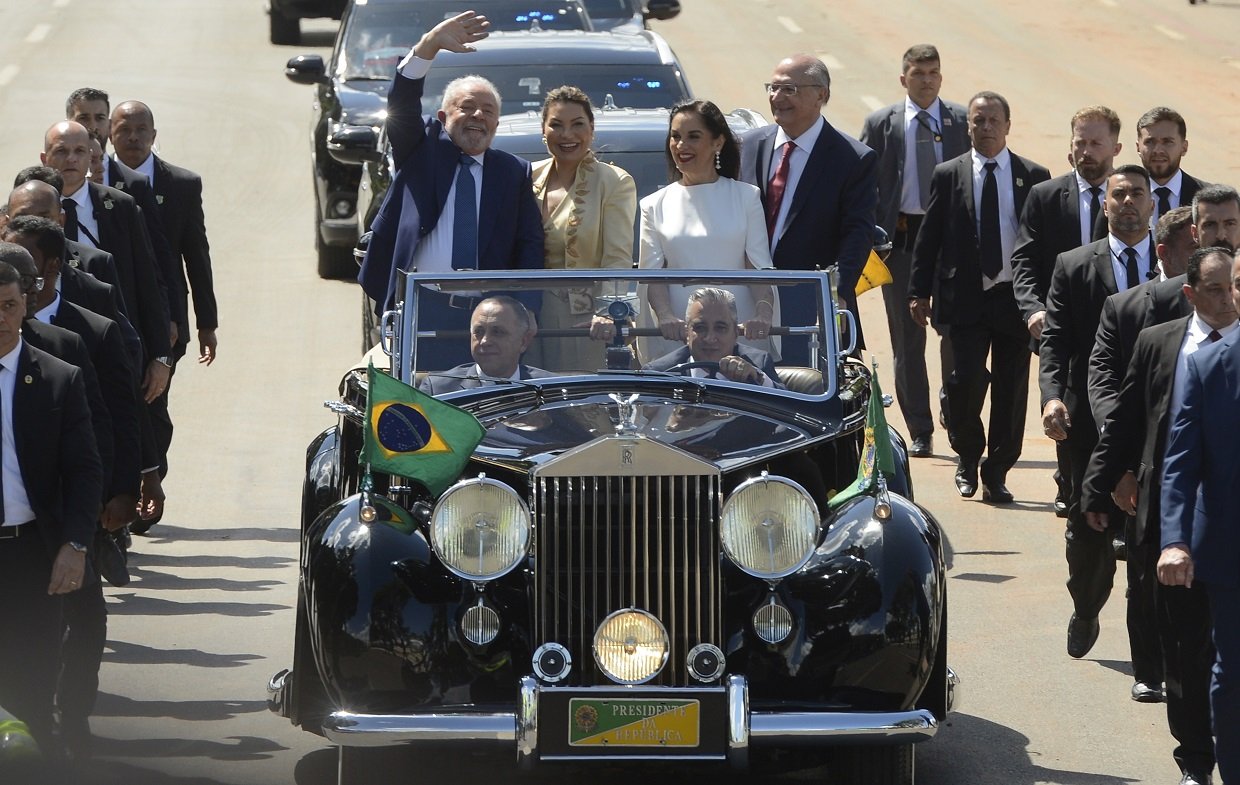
{"points": [[1195, 337], [910, 190], [47, 314], [88, 227], [17, 508], [1084, 199], [1009, 221], [486, 381], [147, 168], [1119, 261], [796, 165]]}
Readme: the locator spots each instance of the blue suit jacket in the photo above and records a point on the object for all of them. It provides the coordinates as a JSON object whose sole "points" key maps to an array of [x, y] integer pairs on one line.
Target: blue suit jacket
{"points": [[510, 233], [1201, 479]]}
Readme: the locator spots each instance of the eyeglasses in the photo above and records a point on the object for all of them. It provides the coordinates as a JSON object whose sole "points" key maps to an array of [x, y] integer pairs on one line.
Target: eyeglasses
{"points": [[31, 283], [786, 88]]}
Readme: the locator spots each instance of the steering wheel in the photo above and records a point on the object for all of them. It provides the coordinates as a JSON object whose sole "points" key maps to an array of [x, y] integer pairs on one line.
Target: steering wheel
{"points": [[705, 365]]}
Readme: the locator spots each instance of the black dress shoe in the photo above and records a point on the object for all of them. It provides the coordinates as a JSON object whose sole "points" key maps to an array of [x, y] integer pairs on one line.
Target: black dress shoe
{"points": [[966, 479], [996, 493], [1193, 779], [1061, 508], [922, 447], [1082, 635], [1145, 692], [78, 742]]}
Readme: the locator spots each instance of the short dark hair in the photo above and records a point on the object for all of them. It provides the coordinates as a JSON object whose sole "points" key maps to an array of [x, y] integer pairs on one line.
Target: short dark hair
{"points": [[518, 308], [1162, 114], [1172, 222], [85, 94], [44, 174], [568, 94], [1193, 271], [717, 124], [990, 95], [9, 274], [49, 238], [1132, 170], [1103, 113], [1215, 194], [918, 53]]}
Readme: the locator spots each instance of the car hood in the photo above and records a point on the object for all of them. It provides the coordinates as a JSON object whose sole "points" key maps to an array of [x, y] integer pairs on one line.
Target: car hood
{"points": [[721, 432], [363, 101]]}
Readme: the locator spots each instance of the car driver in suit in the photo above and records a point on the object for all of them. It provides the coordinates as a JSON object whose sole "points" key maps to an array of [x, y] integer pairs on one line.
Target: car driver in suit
{"points": [[911, 138], [712, 335], [965, 246], [454, 203], [1200, 539], [500, 330], [819, 191]]}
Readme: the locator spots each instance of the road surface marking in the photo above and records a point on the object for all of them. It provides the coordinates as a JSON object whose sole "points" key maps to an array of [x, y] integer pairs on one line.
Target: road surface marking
{"points": [[872, 102], [1172, 34], [7, 73], [39, 33], [789, 25]]}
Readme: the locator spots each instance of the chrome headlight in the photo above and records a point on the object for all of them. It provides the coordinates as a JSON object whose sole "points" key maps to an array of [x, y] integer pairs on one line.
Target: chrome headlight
{"points": [[480, 529], [769, 526], [631, 646]]}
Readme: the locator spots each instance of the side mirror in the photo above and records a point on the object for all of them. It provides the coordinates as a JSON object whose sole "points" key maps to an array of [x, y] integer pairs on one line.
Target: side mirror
{"points": [[353, 144], [306, 69], [882, 243], [662, 9]]}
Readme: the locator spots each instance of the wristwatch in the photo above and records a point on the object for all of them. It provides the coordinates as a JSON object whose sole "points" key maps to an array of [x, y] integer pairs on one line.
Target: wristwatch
{"points": [[165, 360], [79, 547]]}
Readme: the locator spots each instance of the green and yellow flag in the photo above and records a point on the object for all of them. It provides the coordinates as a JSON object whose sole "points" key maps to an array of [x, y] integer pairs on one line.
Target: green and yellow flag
{"points": [[409, 433], [876, 455]]}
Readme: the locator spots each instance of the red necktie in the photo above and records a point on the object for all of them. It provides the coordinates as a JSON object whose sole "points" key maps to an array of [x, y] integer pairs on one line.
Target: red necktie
{"points": [[775, 190]]}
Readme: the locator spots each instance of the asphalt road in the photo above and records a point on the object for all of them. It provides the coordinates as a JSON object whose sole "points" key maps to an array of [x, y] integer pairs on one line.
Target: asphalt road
{"points": [[208, 617]]}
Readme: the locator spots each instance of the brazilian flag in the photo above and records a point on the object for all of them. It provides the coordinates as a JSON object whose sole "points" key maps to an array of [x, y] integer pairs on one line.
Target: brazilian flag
{"points": [[411, 434], [876, 455]]}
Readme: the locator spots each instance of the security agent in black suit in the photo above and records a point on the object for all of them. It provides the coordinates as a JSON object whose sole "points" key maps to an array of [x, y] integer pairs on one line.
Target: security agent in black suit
{"points": [[1132, 445], [500, 330], [178, 196], [1081, 282], [51, 485], [1162, 140], [964, 246], [711, 335], [911, 138]]}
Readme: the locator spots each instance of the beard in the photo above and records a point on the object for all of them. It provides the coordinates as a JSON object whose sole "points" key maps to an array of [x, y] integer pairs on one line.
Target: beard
{"points": [[1093, 170]]}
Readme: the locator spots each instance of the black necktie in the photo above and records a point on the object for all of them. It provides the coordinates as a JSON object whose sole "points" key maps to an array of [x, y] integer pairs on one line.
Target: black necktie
{"points": [[1164, 200], [1214, 336], [71, 219], [1095, 207], [1130, 264], [926, 158], [990, 243]]}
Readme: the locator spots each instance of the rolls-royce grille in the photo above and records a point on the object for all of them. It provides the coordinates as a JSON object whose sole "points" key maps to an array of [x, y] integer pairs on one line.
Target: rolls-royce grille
{"points": [[604, 543]]}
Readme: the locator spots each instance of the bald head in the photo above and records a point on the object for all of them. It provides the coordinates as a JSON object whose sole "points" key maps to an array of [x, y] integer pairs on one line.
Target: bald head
{"points": [[66, 148], [133, 132], [799, 88], [36, 198]]}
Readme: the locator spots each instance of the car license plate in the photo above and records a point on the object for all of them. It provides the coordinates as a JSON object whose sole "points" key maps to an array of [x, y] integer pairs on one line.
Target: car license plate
{"points": [[633, 722]]}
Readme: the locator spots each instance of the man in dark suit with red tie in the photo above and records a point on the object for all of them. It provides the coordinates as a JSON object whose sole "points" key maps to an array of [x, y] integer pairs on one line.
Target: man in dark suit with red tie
{"points": [[435, 217], [1133, 441], [911, 138], [965, 246], [50, 488], [1081, 282], [819, 190]]}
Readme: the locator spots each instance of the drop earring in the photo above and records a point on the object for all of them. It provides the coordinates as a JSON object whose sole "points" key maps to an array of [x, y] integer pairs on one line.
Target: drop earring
{"points": [[718, 166]]}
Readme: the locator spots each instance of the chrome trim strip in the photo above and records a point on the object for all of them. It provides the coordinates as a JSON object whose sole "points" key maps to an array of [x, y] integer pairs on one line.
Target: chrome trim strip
{"points": [[378, 730], [527, 723], [855, 727], [953, 690], [738, 721]]}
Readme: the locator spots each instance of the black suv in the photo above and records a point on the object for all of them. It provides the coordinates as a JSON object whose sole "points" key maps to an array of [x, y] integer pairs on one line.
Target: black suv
{"points": [[285, 16]]}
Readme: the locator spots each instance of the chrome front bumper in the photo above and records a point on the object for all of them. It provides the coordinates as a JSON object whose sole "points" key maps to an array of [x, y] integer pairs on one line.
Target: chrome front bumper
{"points": [[745, 728]]}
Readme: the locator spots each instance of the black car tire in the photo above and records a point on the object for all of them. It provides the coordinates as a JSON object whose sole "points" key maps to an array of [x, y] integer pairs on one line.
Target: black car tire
{"points": [[284, 29], [874, 765]]}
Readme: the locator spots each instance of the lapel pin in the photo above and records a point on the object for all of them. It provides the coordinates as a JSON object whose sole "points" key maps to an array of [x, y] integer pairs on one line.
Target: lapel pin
{"points": [[29, 379], [947, 121], [1020, 183], [74, 262], [159, 198], [107, 204]]}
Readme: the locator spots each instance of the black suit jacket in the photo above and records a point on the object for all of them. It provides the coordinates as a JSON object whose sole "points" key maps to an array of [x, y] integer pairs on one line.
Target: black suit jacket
{"points": [[884, 133], [831, 218], [84, 291], [1135, 435], [123, 234], [755, 357], [1050, 224], [98, 263], [1167, 300], [1082, 281], [117, 384], [56, 451], [178, 195], [947, 247], [137, 185], [1189, 186], [461, 378]]}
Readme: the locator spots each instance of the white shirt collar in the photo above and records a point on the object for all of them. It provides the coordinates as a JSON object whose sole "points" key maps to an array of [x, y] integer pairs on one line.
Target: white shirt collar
{"points": [[1084, 185], [1118, 246], [82, 197], [1004, 159], [911, 109], [805, 141], [1199, 331], [47, 314], [1175, 184], [516, 376], [10, 360], [147, 168]]}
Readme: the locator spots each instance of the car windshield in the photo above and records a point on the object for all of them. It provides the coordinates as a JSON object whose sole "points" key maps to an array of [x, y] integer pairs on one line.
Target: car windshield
{"points": [[472, 329], [522, 87], [378, 36]]}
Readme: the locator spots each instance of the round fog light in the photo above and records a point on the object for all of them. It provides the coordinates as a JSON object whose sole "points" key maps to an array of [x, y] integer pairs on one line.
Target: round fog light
{"points": [[772, 622], [705, 662], [552, 662], [631, 646], [480, 624]]}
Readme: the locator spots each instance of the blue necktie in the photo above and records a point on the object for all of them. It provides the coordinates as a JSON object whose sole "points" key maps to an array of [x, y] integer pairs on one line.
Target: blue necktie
{"points": [[465, 221]]}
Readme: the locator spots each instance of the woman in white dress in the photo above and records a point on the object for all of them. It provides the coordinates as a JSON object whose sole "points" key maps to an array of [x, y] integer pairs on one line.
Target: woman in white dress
{"points": [[705, 219]]}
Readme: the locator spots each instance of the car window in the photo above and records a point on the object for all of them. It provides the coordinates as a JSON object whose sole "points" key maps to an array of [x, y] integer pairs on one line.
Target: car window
{"points": [[522, 87], [377, 36]]}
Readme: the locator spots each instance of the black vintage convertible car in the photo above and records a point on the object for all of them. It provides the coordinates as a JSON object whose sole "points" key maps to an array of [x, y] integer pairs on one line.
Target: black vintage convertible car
{"points": [[622, 563]]}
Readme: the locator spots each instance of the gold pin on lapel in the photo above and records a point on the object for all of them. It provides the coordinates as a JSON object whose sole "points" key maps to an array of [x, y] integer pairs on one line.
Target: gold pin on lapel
{"points": [[29, 379], [159, 198]]}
